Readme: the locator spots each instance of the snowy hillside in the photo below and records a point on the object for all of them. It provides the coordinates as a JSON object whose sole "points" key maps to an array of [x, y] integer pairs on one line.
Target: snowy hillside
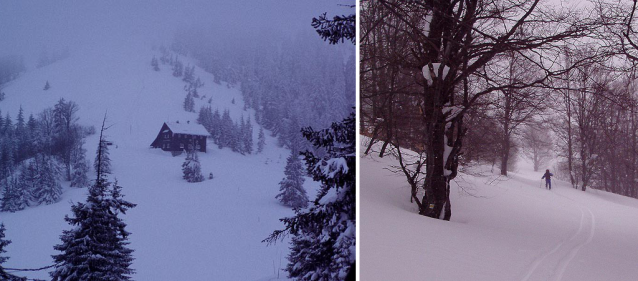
{"points": [[180, 231], [501, 229]]}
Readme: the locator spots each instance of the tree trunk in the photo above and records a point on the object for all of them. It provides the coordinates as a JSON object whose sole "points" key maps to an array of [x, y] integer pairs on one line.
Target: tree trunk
{"points": [[505, 156], [372, 139], [436, 198]]}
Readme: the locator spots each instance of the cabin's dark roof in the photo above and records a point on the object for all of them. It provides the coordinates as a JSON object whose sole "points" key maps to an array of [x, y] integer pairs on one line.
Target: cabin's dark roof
{"points": [[188, 129]]}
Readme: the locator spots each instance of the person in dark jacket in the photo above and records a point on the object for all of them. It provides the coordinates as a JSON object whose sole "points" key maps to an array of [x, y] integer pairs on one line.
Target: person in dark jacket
{"points": [[548, 179]]}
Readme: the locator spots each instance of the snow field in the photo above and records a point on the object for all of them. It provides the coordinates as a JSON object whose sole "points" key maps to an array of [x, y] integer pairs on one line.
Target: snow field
{"points": [[501, 229]]}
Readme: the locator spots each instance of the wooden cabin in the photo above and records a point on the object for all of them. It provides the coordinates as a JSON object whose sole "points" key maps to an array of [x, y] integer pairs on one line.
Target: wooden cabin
{"points": [[181, 136]]}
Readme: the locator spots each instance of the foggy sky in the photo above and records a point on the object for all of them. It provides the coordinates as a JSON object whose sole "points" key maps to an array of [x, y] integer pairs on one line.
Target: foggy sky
{"points": [[29, 27]]}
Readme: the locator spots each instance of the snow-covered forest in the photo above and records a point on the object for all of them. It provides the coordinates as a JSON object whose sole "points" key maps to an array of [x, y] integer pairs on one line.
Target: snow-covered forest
{"points": [[154, 140], [560, 91], [481, 98]]}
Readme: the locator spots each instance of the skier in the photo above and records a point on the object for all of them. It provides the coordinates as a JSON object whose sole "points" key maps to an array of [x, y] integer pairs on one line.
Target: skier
{"points": [[548, 181]]}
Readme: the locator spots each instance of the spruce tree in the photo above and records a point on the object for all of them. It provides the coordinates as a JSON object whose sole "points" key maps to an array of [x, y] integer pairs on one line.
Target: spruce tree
{"points": [[21, 137], [261, 140], [247, 134], [47, 189], [293, 193], [189, 103], [226, 130], [323, 242], [4, 243], [205, 118], [6, 159], [28, 181], [80, 166], [96, 247], [189, 73], [13, 199], [191, 168], [240, 134], [31, 136], [47, 86], [178, 68], [104, 165], [215, 126]]}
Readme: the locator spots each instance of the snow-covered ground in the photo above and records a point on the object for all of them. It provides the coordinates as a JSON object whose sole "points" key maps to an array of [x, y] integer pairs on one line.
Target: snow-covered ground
{"points": [[501, 229], [180, 231]]}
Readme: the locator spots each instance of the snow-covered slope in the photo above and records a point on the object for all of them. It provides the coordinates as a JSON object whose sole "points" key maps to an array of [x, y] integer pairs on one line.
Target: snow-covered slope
{"points": [[180, 231], [501, 229]]}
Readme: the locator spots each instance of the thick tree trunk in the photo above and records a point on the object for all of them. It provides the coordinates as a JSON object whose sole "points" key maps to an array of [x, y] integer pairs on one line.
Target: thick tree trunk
{"points": [[505, 156]]}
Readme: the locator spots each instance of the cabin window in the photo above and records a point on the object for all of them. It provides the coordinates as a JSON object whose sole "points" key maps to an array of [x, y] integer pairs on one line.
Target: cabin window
{"points": [[181, 145], [198, 147], [166, 135]]}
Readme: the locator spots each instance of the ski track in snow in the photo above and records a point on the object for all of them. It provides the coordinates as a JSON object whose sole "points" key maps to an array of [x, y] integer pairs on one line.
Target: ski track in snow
{"points": [[565, 251], [509, 229]]}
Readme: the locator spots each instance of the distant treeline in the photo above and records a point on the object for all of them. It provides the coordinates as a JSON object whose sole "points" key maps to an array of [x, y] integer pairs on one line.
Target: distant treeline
{"points": [[301, 82], [10, 68]]}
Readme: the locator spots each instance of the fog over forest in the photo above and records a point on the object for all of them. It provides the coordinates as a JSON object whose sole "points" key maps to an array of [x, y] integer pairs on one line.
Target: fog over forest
{"points": [[31, 27]]}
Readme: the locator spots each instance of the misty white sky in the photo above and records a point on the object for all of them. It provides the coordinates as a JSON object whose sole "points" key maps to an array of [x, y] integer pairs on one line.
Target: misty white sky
{"points": [[28, 27]]}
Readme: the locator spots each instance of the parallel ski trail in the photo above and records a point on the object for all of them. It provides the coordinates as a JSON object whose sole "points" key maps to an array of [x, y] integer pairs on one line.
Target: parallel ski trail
{"points": [[540, 260], [566, 250], [565, 263]]}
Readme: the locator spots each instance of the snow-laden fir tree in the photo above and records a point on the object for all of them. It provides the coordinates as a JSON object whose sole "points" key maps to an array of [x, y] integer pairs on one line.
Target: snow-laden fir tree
{"points": [[80, 166], [247, 137], [14, 199], [189, 74], [191, 88], [80, 178], [104, 165], [292, 192], [47, 86], [226, 131], [47, 189], [18, 188], [191, 168], [4, 243], [96, 247], [178, 68], [215, 126], [189, 103], [29, 179], [261, 140], [323, 242], [21, 136]]}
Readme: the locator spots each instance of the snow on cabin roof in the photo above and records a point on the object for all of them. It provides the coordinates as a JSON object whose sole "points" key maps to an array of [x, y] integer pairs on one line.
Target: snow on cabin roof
{"points": [[188, 129]]}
